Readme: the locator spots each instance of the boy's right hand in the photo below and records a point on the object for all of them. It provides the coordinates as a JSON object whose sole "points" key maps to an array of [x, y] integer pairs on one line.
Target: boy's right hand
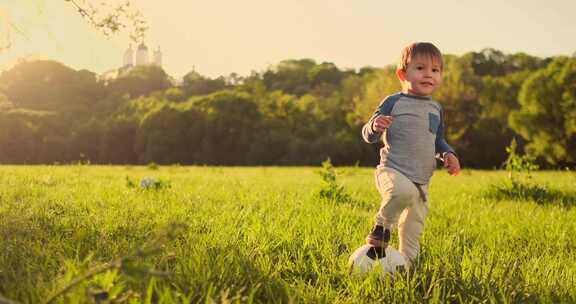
{"points": [[382, 123]]}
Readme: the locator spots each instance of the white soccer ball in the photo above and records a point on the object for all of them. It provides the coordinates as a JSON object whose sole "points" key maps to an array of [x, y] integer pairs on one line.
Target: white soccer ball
{"points": [[148, 182], [368, 258]]}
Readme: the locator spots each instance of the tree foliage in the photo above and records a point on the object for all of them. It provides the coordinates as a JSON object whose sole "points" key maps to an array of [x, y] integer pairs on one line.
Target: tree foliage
{"points": [[110, 19], [297, 112], [49, 86], [547, 116], [140, 81], [194, 84]]}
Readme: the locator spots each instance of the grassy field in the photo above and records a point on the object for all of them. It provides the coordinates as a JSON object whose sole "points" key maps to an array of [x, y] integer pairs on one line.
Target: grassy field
{"points": [[76, 234]]}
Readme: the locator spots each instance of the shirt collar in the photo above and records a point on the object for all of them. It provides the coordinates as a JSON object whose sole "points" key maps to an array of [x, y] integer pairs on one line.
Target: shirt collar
{"points": [[416, 97]]}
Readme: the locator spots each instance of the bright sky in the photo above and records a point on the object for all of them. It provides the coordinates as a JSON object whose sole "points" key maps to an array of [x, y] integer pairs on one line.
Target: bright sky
{"points": [[218, 37]]}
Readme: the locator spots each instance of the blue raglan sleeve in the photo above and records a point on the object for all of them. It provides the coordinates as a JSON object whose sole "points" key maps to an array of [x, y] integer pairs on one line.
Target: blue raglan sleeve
{"points": [[385, 108], [441, 144]]}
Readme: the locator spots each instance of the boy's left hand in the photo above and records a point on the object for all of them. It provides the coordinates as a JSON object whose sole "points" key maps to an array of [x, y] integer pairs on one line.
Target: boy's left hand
{"points": [[452, 163]]}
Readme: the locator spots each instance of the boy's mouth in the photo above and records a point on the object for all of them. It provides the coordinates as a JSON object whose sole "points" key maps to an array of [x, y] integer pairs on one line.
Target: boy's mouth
{"points": [[426, 83]]}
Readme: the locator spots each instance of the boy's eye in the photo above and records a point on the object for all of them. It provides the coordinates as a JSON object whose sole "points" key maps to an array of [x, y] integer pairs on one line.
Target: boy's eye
{"points": [[435, 70], [419, 68]]}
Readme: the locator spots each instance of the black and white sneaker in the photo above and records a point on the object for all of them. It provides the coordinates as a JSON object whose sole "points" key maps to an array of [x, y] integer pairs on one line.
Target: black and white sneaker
{"points": [[378, 237]]}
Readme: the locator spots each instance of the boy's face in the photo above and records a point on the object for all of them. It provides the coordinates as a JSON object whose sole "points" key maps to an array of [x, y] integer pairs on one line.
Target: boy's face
{"points": [[422, 76]]}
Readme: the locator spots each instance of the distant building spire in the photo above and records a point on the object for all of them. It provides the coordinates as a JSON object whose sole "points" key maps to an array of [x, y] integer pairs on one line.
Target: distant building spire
{"points": [[142, 54], [158, 57], [128, 57]]}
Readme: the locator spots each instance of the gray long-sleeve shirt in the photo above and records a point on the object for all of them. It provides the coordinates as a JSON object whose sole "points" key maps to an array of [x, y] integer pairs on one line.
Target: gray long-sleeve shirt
{"points": [[415, 137]]}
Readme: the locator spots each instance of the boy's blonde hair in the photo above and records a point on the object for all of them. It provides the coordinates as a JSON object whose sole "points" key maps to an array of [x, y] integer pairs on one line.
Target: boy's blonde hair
{"points": [[419, 49]]}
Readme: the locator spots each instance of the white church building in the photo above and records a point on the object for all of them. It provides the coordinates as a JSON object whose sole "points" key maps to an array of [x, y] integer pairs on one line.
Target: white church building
{"points": [[141, 56], [133, 58]]}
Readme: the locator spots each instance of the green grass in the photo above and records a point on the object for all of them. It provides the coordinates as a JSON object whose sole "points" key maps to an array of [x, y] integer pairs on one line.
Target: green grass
{"points": [[263, 235]]}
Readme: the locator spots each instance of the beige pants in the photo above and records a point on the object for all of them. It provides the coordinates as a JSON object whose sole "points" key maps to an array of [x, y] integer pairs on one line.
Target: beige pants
{"points": [[405, 204]]}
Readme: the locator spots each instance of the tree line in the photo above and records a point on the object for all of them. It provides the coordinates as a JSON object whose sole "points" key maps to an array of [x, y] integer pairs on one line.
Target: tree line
{"points": [[298, 112]]}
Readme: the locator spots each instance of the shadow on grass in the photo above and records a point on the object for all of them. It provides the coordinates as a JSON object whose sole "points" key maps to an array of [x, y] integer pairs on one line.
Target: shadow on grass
{"points": [[540, 194], [491, 277], [224, 273]]}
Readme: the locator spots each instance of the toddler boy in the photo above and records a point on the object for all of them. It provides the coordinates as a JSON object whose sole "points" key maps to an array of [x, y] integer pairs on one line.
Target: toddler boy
{"points": [[411, 125]]}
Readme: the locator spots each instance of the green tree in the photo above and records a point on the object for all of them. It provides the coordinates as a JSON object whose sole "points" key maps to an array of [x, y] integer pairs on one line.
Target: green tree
{"points": [[547, 115], [140, 81], [118, 144], [377, 85], [51, 86], [458, 96], [170, 135], [491, 133], [18, 137], [232, 119], [174, 94], [280, 118], [290, 76], [496, 63], [325, 73], [85, 141], [194, 84]]}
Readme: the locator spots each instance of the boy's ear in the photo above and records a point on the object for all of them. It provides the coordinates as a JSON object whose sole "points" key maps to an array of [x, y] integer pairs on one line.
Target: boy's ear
{"points": [[401, 74]]}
